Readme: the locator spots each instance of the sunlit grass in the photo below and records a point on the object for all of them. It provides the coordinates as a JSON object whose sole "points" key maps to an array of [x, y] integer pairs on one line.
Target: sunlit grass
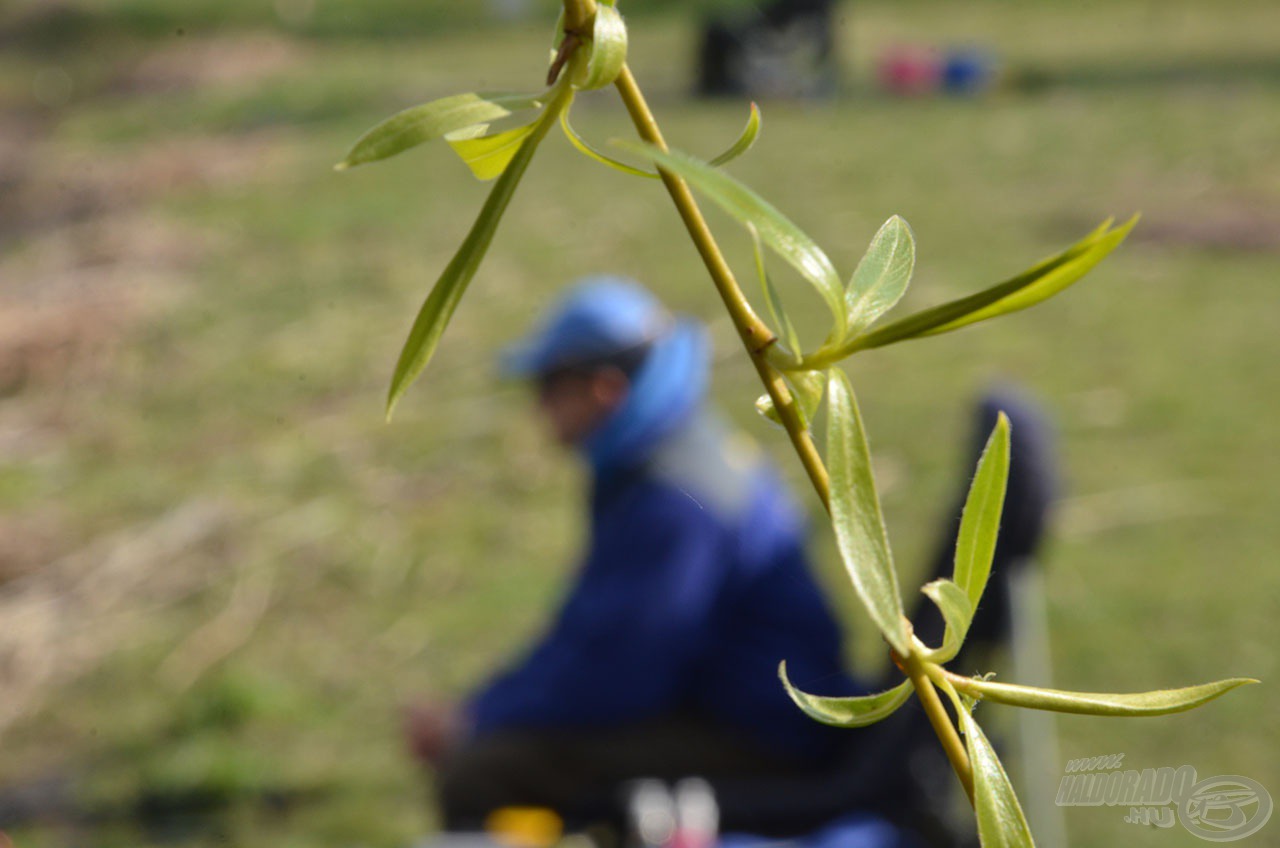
{"points": [[412, 557]]}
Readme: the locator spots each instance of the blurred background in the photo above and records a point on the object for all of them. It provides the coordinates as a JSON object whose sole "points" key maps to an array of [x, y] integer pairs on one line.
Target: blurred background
{"points": [[221, 572]]}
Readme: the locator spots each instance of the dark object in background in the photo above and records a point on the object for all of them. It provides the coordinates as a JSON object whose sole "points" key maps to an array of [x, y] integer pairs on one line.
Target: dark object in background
{"points": [[969, 70], [785, 48], [1027, 502]]}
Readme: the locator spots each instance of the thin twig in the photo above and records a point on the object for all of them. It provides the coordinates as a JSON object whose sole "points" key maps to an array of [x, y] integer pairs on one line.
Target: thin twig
{"points": [[755, 335], [939, 719]]}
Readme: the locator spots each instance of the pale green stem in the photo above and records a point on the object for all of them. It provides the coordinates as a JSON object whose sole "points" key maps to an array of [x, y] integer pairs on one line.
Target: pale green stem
{"points": [[756, 336], [578, 13], [822, 358], [758, 339], [918, 670]]}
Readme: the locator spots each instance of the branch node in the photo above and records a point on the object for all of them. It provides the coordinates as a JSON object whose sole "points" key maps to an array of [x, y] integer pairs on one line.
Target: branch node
{"points": [[572, 41], [759, 349]]}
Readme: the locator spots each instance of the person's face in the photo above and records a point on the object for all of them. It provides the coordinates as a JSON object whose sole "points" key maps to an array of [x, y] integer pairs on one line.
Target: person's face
{"points": [[575, 404]]}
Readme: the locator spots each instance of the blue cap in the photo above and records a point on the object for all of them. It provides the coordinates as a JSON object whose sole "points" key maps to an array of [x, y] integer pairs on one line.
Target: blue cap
{"points": [[599, 317]]}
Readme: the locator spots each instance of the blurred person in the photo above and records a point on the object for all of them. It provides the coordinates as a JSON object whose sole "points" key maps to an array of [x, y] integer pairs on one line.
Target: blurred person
{"points": [[662, 660], [783, 48]]}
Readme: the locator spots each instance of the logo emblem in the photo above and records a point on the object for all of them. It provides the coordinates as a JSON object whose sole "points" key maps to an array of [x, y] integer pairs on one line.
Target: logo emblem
{"points": [[1225, 808]]}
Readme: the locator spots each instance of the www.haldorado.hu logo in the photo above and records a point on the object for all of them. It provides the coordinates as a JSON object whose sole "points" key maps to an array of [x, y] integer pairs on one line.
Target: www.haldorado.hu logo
{"points": [[1219, 809]]}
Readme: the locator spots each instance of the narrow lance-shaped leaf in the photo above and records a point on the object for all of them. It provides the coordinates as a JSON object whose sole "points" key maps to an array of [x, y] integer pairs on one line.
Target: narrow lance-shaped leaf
{"points": [[848, 712], [1026, 289], [882, 275], [775, 229], [777, 311], [957, 612], [745, 140], [855, 513], [433, 120], [1158, 702], [595, 153], [980, 521], [1047, 285], [440, 305], [608, 49], [742, 145], [1001, 822], [488, 155]]}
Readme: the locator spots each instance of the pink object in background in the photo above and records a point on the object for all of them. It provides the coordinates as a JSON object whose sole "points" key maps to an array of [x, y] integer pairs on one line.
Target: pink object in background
{"points": [[910, 70]]}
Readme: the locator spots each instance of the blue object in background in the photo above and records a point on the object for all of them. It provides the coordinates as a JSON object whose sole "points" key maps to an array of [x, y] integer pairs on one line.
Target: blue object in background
{"points": [[968, 71], [598, 316], [859, 830]]}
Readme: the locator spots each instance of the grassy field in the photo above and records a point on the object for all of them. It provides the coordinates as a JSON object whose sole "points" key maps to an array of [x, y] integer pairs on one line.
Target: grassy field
{"points": [[222, 571]]}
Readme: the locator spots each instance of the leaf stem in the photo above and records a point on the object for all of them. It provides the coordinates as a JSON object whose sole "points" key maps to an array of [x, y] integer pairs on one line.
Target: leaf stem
{"points": [[755, 334], [952, 745]]}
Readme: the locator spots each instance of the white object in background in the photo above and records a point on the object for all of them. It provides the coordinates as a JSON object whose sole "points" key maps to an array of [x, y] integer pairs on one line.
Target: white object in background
{"points": [[697, 814], [653, 813]]}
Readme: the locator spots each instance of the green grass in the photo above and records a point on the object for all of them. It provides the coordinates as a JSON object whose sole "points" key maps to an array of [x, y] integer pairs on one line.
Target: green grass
{"points": [[412, 557], [90, 20]]}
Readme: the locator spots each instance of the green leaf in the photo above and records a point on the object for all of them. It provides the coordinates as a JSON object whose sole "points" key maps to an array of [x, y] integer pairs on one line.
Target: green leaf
{"points": [[742, 145], [781, 320], [806, 389], [1026, 289], [882, 275], [1001, 823], [807, 386], [608, 49], [585, 147], [855, 513], [440, 305], [848, 712], [433, 120], [744, 142], [488, 155], [775, 229], [957, 612], [1159, 702], [980, 521]]}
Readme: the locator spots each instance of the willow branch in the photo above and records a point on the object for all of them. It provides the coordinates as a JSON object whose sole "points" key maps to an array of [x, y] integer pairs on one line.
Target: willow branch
{"points": [[756, 336], [945, 729]]}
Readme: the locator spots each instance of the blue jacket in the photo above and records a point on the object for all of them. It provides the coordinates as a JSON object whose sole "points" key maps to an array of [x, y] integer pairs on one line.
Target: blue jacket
{"points": [[694, 586]]}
